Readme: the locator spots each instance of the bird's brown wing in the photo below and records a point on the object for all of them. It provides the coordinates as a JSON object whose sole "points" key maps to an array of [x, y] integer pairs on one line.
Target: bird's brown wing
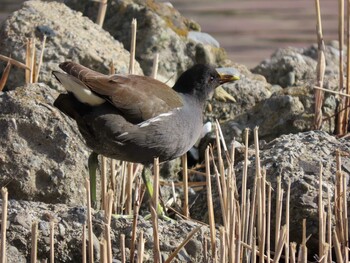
{"points": [[138, 97]]}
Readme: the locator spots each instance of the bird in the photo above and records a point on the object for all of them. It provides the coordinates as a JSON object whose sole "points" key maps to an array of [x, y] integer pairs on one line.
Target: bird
{"points": [[137, 118]]}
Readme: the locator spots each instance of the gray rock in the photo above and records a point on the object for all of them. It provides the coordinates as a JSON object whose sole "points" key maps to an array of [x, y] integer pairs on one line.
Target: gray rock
{"points": [[72, 37], [160, 29], [297, 157], [68, 247], [42, 155]]}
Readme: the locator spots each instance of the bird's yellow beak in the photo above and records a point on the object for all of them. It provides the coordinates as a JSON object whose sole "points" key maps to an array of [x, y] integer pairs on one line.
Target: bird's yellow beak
{"points": [[224, 78]]}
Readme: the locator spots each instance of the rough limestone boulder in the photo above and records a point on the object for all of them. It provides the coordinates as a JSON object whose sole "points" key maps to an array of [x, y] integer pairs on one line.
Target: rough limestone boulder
{"points": [[297, 157], [68, 228], [42, 155], [70, 37], [160, 29]]}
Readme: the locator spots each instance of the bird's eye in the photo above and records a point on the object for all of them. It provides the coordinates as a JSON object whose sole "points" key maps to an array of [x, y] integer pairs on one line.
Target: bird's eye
{"points": [[211, 79]]}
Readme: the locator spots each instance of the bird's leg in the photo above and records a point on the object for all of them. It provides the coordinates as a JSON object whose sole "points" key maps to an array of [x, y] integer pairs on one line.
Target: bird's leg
{"points": [[92, 166], [146, 177]]}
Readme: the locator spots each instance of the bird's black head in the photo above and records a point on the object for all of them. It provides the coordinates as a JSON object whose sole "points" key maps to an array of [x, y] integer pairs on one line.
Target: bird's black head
{"points": [[200, 81]]}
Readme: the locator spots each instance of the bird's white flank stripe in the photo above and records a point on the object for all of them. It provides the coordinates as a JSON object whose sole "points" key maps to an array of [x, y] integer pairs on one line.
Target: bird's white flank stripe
{"points": [[155, 119]]}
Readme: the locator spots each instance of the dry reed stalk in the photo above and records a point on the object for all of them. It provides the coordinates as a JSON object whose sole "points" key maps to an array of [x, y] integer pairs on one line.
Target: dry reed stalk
{"points": [[101, 12], [326, 252], [103, 182], [345, 220], [238, 241], [341, 120], [231, 224], [4, 195], [140, 248], [135, 218], [102, 252], [52, 242], [250, 217], [5, 75], [337, 248], [278, 211], [122, 186], [329, 225], [185, 209], [280, 244], [286, 245], [334, 92], [32, 61], [338, 206], [321, 65], [133, 46], [154, 211], [14, 62], [303, 254], [210, 203], [33, 254], [254, 250], [40, 59], [108, 244], [89, 221], [347, 100], [221, 170], [111, 69], [220, 191], [321, 234], [183, 243], [268, 224], [222, 245], [205, 249], [83, 245], [129, 180], [28, 72], [122, 249], [155, 66], [244, 185], [293, 251]]}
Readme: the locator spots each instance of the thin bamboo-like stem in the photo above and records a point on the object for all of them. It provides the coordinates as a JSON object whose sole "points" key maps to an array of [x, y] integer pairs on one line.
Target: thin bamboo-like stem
{"points": [[278, 211], [14, 62], [103, 182], [210, 203], [122, 248], [286, 247], [268, 224], [280, 244], [108, 244], [222, 170], [154, 212], [4, 195], [40, 59], [34, 241], [186, 212], [293, 250], [89, 221], [321, 234], [135, 219], [155, 66], [321, 66], [103, 251], [101, 12], [337, 248], [32, 61], [140, 248], [52, 242], [303, 258], [347, 100], [133, 46], [5, 75], [129, 180], [28, 62], [340, 124], [222, 245], [83, 244], [345, 220], [244, 187], [329, 225], [183, 243]]}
